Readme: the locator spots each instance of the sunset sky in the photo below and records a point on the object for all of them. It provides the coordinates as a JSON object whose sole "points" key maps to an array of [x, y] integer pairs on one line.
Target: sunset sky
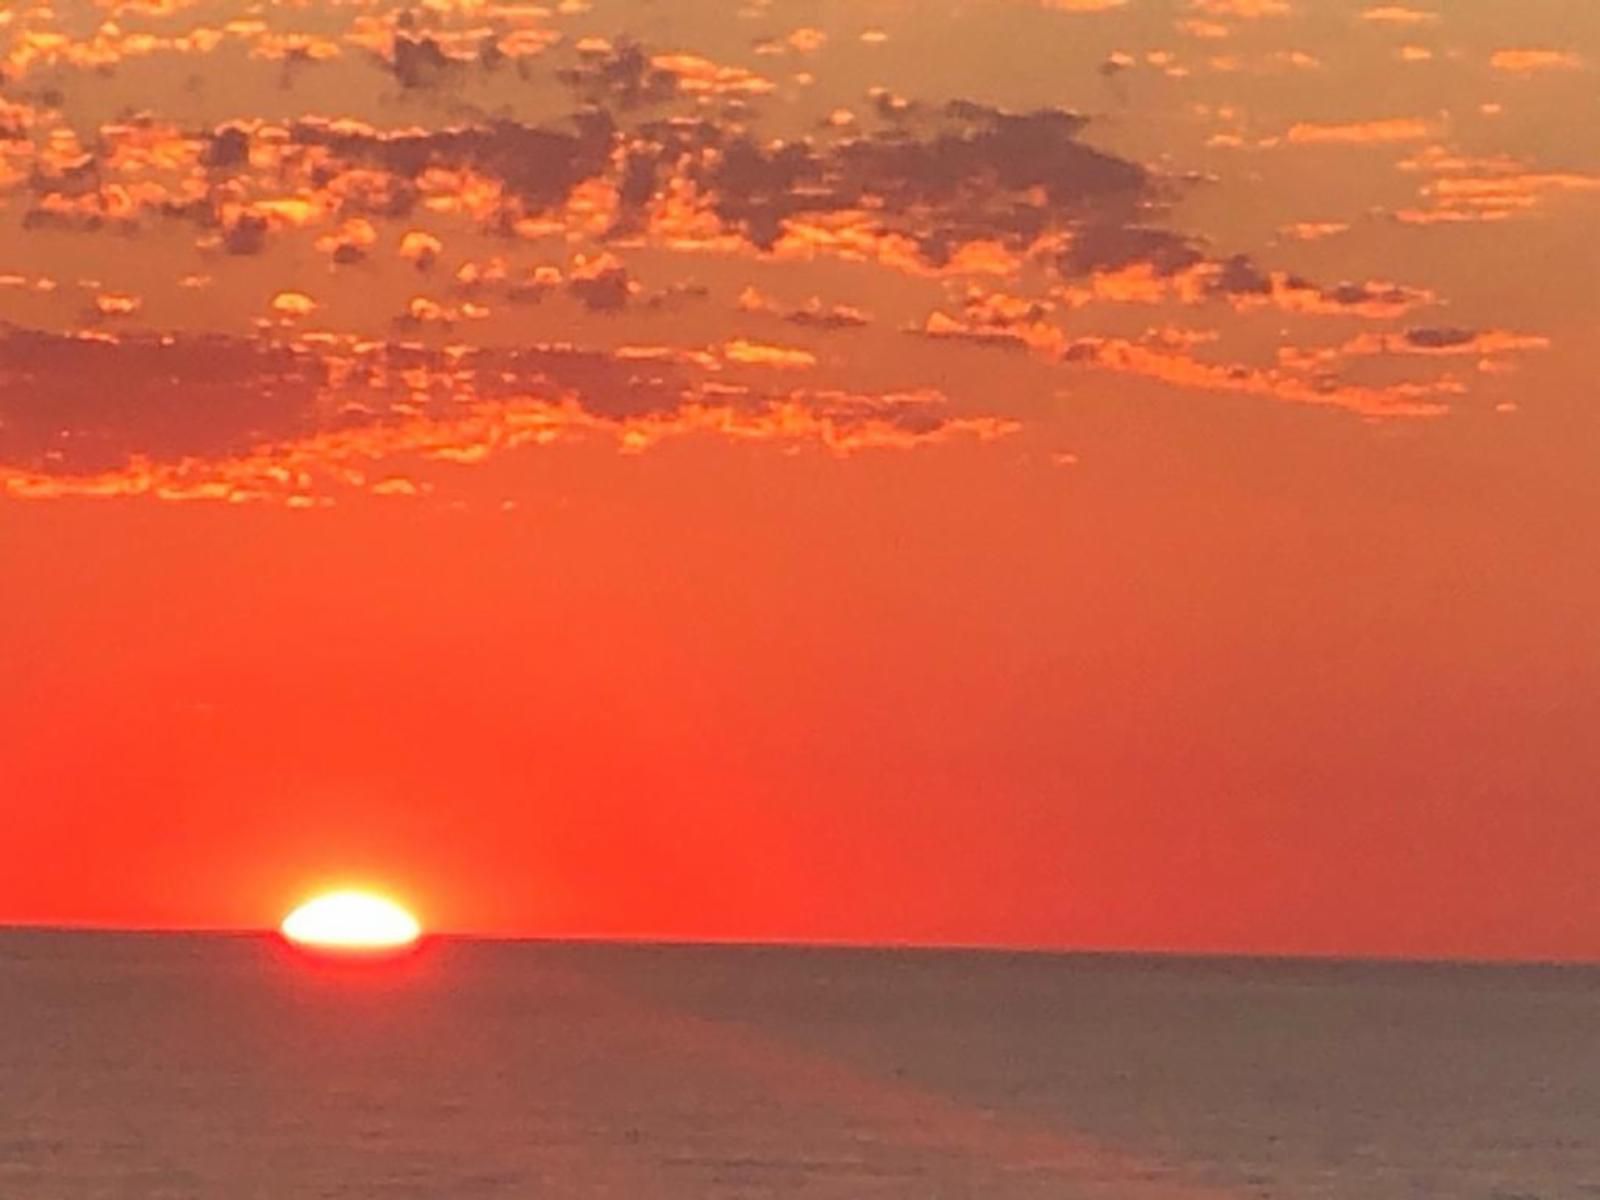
{"points": [[1034, 472]]}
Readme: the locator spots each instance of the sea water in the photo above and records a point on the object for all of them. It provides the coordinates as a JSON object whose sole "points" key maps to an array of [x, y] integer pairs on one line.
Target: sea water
{"points": [[144, 1067]]}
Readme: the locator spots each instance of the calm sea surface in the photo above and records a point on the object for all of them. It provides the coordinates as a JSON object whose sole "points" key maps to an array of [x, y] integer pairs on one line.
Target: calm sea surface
{"points": [[151, 1067]]}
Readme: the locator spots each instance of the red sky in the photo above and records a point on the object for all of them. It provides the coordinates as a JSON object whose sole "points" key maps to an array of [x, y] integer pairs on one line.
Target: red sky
{"points": [[1160, 567]]}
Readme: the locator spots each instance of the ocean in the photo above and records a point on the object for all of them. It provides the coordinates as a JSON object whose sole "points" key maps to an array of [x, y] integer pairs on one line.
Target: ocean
{"points": [[147, 1067]]}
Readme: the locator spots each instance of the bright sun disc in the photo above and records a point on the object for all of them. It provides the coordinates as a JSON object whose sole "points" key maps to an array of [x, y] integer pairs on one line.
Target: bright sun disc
{"points": [[351, 921]]}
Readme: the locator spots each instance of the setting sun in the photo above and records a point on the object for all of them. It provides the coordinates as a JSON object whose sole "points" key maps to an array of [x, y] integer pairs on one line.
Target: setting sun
{"points": [[351, 921]]}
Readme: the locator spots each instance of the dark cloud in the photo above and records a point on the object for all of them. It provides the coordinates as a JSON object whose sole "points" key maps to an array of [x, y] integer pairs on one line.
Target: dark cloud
{"points": [[419, 61], [1440, 338], [539, 165], [817, 316], [227, 148], [940, 180], [117, 413], [79, 405], [974, 173], [602, 286], [1111, 247], [652, 156], [971, 173], [622, 76], [1241, 277], [246, 235]]}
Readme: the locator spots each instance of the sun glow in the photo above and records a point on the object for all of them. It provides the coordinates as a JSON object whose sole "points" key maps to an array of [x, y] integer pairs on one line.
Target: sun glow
{"points": [[351, 922]]}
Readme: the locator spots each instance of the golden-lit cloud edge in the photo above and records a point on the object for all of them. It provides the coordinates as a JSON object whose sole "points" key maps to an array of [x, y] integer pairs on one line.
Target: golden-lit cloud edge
{"points": [[367, 410], [1019, 233]]}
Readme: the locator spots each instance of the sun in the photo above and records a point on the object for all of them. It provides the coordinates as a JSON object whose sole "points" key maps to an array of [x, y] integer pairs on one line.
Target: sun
{"points": [[351, 922]]}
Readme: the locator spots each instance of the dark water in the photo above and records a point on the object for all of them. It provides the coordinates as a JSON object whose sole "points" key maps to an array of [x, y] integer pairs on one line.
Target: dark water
{"points": [[156, 1067]]}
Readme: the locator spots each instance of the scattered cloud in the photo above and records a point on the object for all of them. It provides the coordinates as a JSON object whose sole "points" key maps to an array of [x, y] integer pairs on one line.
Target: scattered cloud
{"points": [[1248, 10], [293, 304], [1491, 347], [1183, 368], [1466, 189], [1385, 131], [1082, 6], [1523, 62], [1398, 14], [814, 313], [1202, 29], [238, 420], [1446, 340], [978, 225], [745, 352], [1313, 231]]}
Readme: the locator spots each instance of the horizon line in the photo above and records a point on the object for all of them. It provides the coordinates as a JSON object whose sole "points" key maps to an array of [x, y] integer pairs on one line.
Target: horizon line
{"points": [[779, 942]]}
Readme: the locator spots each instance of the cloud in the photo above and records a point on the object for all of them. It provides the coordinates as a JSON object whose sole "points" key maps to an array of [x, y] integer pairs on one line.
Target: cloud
{"points": [[80, 404], [1398, 14], [1313, 231], [116, 304], [536, 165], [967, 189], [310, 471], [744, 352], [1082, 6], [1182, 368], [1190, 278], [1015, 231], [979, 328], [1174, 356], [237, 419], [978, 174], [626, 76], [1464, 189], [293, 304], [295, 48], [420, 248], [1445, 340], [700, 76], [1374, 299], [1361, 133], [439, 56], [1522, 62], [1248, 10], [621, 75], [814, 313], [1491, 347], [423, 312], [601, 284], [1206, 31]]}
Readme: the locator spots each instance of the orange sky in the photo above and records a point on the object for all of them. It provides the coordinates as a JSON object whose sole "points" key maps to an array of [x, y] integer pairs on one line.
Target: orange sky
{"points": [[1101, 479]]}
